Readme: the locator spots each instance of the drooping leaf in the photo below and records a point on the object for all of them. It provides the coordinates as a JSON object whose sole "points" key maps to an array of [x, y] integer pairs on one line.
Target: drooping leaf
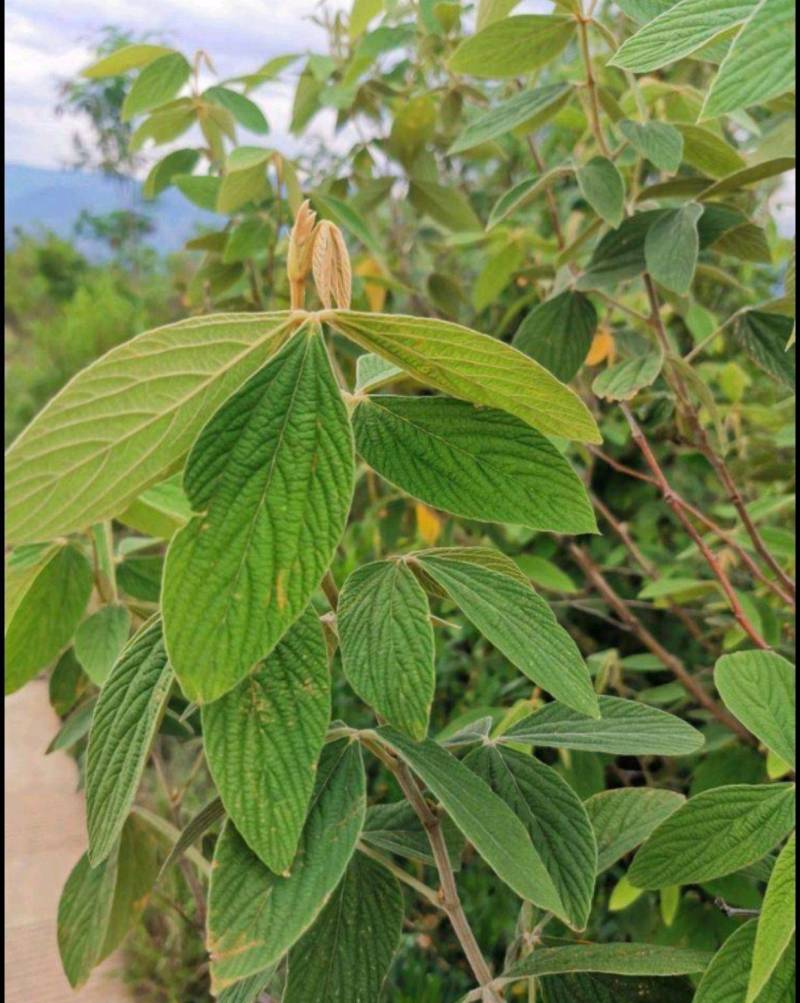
{"points": [[513, 45], [715, 833], [726, 978], [484, 818], [558, 333], [776, 924], [478, 463], [124, 422], [254, 915], [263, 738], [624, 728], [271, 476], [159, 82], [518, 623], [531, 108], [623, 818], [100, 639], [671, 248], [555, 818], [472, 367], [764, 336], [624, 380], [759, 688], [84, 911], [660, 142], [602, 186], [125, 720], [346, 954]]}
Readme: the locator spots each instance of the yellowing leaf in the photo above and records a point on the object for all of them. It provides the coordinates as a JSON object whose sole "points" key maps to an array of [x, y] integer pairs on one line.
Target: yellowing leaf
{"points": [[602, 347], [376, 294], [429, 525]]}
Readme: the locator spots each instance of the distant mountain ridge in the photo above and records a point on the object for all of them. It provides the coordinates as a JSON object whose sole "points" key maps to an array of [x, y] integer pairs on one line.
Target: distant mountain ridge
{"points": [[39, 197]]}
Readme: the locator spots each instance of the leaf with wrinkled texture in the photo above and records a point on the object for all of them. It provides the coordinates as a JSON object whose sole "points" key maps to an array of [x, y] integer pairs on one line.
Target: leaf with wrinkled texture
{"points": [[100, 639], [671, 248], [396, 828], [599, 988], [750, 175], [513, 45], [763, 336], [478, 463], [602, 186], [660, 142], [558, 333], [271, 478], [612, 959], [725, 980], [625, 817], [776, 924], [263, 738]]}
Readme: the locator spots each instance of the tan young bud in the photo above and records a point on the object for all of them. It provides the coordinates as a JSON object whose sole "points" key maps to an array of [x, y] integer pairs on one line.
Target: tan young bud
{"points": [[298, 262], [331, 266]]}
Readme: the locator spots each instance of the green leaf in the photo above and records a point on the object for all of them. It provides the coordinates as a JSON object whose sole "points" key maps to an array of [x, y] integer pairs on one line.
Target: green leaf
{"points": [[496, 274], [100, 639], [200, 823], [715, 833], [271, 476], [245, 111], [625, 817], [363, 11], [726, 978], [478, 463], [160, 510], [137, 869], [127, 420], [625, 379], [512, 46], [750, 175], [413, 126], [162, 173], [530, 108], [554, 817], [660, 142], [612, 959], [444, 204], [245, 178], [158, 83], [484, 818], [396, 828], [165, 124], [523, 193], [624, 728], [128, 57], [249, 990], [386, 641], [761, 62], [678, 32], [620, 254], [558, 333], [776, 924], [246, 240], [254, 916], [472, 367], [708, 152], [373, 372], [263, 739], [602, 186], [125, 720], [519, 623], [44, 602], [67, 684], [671, 248], [346, 954], [598, 988], [763, 336], [84, 912], [200, 191], [74, 728], [492, 10], [759, 688], [747, 242]]}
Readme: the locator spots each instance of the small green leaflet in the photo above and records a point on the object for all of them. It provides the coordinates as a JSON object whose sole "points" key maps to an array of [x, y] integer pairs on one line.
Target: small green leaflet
{"points": [[555, 818], [623, 818], [558, 333], [484, 818], [478, 463], [128, 57], [472, 367], [620, 254], [199, 190], [529, 108], [245, 178], [74, 727], [254, 916], [159, 82], [373, 372], [624, 380], [726, 978], [776, 924], [624, 728], [124, 722], [271, 478], [522, 193], [513, 45], [660, 142], [263, 739], [345, 956], [671, 248], [761, 62], [100, 639], [396, 828], [759, 688], [162, 173], [386, 641], [243, 109], [443, 204], [715, 833], [602, 186], [519, 623], [84, 912], [123, 423], [44, 602], [764, 336], [708, 152]]}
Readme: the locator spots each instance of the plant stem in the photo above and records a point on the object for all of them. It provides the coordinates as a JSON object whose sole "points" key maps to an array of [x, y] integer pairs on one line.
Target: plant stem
{"points": [[591, 85], [104, 572], [331, 590]]}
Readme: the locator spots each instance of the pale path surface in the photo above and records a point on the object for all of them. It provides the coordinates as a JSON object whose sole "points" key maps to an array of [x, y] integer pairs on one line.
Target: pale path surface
{"points": [[45, 834]]}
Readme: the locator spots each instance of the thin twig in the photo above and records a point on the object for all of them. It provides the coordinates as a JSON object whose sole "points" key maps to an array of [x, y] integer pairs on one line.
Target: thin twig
{"points": [[591, 85]]}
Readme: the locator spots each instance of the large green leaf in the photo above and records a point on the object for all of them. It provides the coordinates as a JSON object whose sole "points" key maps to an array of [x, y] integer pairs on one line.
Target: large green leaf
{"points": [[759, 688], [715, 833], [761, 62], [558, 333], [671, 248], [473, 367], [611, 959], [84, 912], [124, 722], [726, 978], [386, 641], [126, 421], [479, 463], [602, 186], [46, 595], [100, 639], [159, 81], [519, 623], [624, 728], [513, 45], [554, 817], [679, 31], [776, 924], [660, 142], [271, 478], [528, 108], [623, 818], [254, 915], [345, 956], [263, 738], [484, 818]]}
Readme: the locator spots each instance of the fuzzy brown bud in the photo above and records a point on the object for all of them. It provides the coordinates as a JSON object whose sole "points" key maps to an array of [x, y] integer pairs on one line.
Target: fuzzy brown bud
{"points": [[331, 266]]}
